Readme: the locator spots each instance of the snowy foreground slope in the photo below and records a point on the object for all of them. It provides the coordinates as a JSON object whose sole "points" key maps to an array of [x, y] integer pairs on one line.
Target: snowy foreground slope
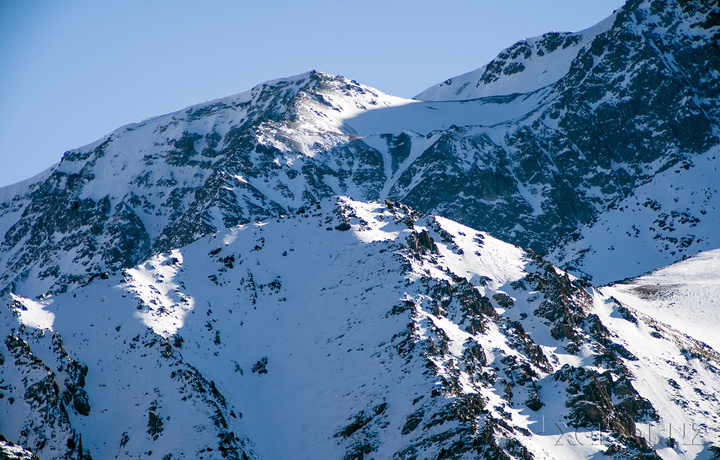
{"points": [[350, 330]]}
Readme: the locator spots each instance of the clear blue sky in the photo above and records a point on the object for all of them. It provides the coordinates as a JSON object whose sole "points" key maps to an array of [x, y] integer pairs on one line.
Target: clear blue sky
{"points": [[73, 70]]}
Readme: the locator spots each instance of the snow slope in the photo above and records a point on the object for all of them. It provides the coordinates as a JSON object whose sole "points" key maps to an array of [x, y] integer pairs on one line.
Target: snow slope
{"points": [[163, 182], [348, 329], [185, 287], [685, 294]]}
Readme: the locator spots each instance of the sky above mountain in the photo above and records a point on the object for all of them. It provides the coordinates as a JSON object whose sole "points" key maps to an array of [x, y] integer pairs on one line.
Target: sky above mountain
{"points": [[74, 71]]}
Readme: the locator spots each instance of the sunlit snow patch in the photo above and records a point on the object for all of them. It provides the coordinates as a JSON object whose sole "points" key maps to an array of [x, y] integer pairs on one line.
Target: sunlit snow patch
{"points": [[162, 305], [33, 313]]}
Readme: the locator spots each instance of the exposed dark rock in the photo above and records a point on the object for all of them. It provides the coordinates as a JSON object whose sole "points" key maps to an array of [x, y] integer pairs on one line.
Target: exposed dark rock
{"points": [[343, 227], [591, 401], [260, 367], [155, 425]]}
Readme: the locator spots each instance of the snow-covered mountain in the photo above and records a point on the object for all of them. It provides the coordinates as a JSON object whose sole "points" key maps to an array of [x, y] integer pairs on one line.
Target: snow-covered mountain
{"points": [[191, 286], [628, 100], [350, 330]]}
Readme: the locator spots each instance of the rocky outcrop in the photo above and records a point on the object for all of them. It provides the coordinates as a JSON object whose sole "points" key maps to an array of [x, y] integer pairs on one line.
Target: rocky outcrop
{"points": [[32, 392]]}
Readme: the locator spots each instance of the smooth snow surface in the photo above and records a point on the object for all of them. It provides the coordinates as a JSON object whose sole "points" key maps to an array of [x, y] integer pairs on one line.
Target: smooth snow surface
{"points": [[685, 295], [33, 313]]}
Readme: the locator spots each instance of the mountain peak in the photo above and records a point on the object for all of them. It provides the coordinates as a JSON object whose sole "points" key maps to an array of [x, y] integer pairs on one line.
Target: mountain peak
{"points": [[526, 66], [537, 62]]}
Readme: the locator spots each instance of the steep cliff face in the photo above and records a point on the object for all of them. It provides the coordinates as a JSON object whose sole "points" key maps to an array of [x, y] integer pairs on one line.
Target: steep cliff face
{"points": [[623, 102], [348, 330]]}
